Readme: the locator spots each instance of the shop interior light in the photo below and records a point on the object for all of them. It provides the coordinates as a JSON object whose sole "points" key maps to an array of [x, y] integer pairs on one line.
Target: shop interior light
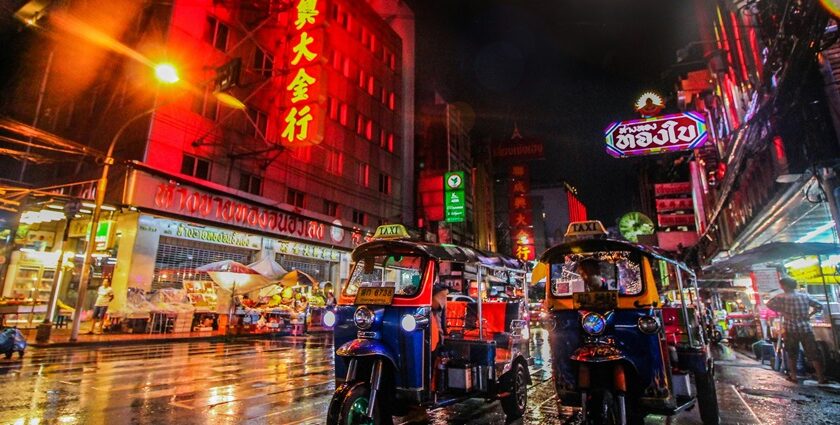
{"points": [[813, 234], [84, 211], [90, 206], [801, 263], [42, 216]]}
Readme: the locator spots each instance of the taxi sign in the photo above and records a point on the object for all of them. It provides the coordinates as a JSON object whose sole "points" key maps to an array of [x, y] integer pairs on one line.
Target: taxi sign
{"points": [[585, 228], [391, 231], [375, 296]]}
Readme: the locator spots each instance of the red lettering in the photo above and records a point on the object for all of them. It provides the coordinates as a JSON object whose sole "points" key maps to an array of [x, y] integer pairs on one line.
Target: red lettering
{"points": [[263, 220], [253, 216], [272, 220], [219, 208], [227, 210], [291, 225], [206, 205], [192, 202], [241, 212], [160, 195], [282, 223], [182, 198]]}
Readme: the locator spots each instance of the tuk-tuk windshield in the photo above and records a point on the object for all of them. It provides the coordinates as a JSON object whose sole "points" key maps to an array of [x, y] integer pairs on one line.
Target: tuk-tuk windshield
{"points": [[617, 270], [403, 273]]}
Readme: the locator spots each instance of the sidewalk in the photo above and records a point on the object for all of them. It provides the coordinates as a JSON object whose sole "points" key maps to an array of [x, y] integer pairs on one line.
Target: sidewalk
{"points": [[61, 337]]}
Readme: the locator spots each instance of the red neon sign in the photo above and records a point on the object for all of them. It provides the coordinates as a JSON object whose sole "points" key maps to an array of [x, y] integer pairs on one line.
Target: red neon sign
{"points": [[302, 121]]}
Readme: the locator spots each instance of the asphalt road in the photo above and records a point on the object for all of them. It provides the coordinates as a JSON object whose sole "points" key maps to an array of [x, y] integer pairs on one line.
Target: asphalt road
{"points": [[290, 381]]}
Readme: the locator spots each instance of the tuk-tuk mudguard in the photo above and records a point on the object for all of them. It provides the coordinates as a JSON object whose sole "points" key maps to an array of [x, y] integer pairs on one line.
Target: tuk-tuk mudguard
{"points": [[404, 350], [695, 360], [642, 352]]}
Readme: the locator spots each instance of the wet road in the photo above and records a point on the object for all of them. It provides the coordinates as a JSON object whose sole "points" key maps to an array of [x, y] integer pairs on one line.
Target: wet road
{"points": [[290, 380]]}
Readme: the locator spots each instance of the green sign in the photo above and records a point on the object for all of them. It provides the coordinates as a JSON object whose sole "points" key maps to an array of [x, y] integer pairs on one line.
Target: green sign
{"points": [[454, 198]]}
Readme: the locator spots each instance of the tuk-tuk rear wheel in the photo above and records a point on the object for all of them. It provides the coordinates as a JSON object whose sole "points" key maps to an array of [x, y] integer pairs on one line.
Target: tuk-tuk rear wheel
{"points": [[602, 409], [516, 402], [707, 398]]}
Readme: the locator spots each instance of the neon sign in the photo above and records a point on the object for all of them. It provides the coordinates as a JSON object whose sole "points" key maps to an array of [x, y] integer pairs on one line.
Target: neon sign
{"points": [[668, 133], [302, 121]]}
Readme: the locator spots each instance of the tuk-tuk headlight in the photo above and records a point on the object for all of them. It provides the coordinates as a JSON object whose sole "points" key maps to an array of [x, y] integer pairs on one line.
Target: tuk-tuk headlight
{"points": [[329, 318], [648, 324], [594, 323], [410, 322], [363, 317]]}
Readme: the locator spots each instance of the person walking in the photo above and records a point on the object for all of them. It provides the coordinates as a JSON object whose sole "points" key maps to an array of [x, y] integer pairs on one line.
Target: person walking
{"points": [[795, 308], [104, 296]]}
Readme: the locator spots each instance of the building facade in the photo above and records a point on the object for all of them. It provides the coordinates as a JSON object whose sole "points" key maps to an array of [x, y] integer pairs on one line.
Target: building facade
{"points": [[320, 154]]}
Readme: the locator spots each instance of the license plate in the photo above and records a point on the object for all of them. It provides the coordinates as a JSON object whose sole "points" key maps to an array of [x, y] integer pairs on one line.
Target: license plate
{"points": [[596, 300], [377, 296]]}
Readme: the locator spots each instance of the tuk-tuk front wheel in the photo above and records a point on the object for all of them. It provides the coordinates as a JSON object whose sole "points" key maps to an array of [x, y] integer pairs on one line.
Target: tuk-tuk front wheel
{"points": [[603, 409], [707, 398], [516, 401], [350, 405]]}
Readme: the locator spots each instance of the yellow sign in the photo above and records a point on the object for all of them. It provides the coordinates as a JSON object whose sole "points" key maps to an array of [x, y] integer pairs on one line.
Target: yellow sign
{"points": [[586, 228], [375, 296], [391, 231]]}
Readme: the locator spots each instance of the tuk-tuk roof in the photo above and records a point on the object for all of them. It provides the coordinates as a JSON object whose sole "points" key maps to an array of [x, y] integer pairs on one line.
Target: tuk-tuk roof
{"points": [[557, 252], [440, 252]]}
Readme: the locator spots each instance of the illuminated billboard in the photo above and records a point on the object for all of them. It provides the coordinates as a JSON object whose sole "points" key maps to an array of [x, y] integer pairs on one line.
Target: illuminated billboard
{"points": [[648, 136]]}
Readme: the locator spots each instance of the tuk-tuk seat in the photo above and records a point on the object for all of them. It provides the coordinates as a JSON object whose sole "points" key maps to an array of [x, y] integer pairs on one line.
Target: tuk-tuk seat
{"points": [[493, 321], [673, 328], [456, 317]]}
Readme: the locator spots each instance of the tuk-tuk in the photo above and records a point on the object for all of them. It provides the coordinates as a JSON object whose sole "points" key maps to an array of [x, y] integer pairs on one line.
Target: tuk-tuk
{"points": [[617, 351], [384, 326]]}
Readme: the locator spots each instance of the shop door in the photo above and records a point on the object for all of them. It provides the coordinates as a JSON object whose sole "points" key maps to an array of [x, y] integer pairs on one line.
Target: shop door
{"points": [[177, 259]]}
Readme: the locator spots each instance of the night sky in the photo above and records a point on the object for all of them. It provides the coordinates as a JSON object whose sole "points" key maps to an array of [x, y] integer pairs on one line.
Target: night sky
{"points": [[560, 69]]}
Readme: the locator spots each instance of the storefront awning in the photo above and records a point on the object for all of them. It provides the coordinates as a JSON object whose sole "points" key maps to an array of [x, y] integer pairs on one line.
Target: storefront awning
{"points": [[773, 252]]}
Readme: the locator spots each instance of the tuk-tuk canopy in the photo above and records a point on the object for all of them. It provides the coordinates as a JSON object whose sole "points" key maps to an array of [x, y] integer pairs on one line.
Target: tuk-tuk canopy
{"points": [[557, 253], [439, 252]]}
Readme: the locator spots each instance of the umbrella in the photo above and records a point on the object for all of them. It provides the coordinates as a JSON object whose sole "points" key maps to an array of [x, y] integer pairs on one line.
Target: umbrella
{"points": [[768, 253], [296, 277], [234, 277], [269, 268]]}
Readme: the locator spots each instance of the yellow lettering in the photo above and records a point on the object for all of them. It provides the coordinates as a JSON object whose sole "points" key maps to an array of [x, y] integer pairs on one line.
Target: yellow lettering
{"points": [[301, 50], [300, 86]]}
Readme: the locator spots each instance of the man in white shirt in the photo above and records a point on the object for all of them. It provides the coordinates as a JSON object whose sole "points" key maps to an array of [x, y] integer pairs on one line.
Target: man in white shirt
{"points": [[104, 295]]}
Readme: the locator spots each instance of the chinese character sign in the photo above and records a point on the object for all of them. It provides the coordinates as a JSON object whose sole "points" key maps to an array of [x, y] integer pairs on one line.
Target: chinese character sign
{"points": [[302, 119], [668, 133], [521, 222]]}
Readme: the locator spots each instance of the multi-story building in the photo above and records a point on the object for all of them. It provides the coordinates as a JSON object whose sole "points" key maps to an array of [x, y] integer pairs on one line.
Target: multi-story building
{"points": [[320, 154], [768, 176], [444, 144]]}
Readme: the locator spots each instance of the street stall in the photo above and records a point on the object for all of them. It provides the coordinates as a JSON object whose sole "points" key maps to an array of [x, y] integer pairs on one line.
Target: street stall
{"points": [[813, 264]]}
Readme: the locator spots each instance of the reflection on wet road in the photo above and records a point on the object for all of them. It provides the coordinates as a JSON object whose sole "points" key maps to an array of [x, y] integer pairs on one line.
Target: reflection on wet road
{"points": [[290, 381]]}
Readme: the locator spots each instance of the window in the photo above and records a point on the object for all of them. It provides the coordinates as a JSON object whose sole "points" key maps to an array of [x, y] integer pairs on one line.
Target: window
{"points": [[344, 114], [392, 62], [263, 63], [382, 138], [362, 79], [332, 107], [384, 183], [335, 163], [371, 85], [336, 60], [196, 167], [346, 68], [330, 208], [403, 273], [250, 183], [369, 130], [295, 198], [258, 121], [373, 44], [391, 142], [392, 101], [206, 105], [359, 217], [301, 154], [217, 33], [618, 270], [360, 124], [363, 176], [365, 37]]}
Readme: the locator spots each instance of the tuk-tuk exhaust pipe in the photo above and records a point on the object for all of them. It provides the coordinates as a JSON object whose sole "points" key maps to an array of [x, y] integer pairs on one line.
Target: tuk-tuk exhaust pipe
{"points": [[375, 380]]}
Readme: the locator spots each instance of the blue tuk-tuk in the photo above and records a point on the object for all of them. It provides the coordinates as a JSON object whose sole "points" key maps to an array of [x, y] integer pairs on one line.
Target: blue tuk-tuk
{"points": [[626, 331], [385, 330]]}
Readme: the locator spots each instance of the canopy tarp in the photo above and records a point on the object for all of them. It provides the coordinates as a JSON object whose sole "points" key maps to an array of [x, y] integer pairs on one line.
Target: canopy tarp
{"points": [[234, 277], [772, 252], [297, 277], [269, 268]]}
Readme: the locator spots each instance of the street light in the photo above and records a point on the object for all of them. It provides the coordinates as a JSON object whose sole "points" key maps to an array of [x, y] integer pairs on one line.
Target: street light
{"points": [[165, 73]]}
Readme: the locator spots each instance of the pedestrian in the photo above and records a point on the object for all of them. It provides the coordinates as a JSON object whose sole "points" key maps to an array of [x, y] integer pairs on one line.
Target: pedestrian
{"points": [[795, 309], [104, 296], [330, 303], [590, 272]]}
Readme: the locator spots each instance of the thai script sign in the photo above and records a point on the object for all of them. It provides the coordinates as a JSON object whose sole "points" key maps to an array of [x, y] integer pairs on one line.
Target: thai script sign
{"points": [[519, 150], [215, 236], [668, 189], [303, 120], [306, 250], [454, 197], [168, 196], [668, 133]]}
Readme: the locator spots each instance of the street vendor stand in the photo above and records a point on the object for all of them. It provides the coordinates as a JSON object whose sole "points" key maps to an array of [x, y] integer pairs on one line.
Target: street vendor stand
{"points": [[821, 272]]}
